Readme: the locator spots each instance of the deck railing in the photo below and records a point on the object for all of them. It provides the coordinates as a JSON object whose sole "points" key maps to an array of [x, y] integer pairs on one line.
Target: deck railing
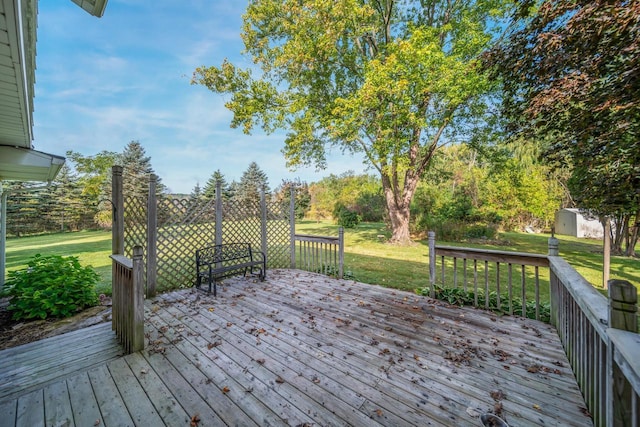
{"points": [[128, 300], [320, 254], [508, 278], [599, 334], [600, 339]]}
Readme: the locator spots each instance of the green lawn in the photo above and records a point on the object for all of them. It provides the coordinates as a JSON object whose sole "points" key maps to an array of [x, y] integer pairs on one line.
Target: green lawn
{"points": [[370, 260], [91, 247], [367, 257]]}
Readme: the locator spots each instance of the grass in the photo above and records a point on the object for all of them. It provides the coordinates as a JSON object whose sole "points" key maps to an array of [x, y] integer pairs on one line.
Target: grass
{"points": [[367, 257], [370, 260], [91, 247]]}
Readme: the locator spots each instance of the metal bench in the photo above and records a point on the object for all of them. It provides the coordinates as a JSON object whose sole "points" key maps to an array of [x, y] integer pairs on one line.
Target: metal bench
{"points": [[219, 261]]}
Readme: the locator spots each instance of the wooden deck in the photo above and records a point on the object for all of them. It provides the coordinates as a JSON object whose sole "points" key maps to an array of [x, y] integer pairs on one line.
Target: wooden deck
{"points": [[304, 349]]}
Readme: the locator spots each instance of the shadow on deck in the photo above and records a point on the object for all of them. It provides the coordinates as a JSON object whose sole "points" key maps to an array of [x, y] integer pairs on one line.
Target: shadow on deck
{"points": [[305, 349]]}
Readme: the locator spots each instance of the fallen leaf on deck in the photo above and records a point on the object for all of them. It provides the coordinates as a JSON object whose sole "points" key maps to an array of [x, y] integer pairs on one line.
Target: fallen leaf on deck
{"points": [[279, 380], [211, 309], [226, 389], [497, 408], [97, 423], [379, 412], [534, 369], [195, 420], [143, 371], [497, 394], [537, 407]]}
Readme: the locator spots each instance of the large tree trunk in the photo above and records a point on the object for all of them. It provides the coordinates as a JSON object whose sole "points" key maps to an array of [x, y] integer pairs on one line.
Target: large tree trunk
{"points": [[398, 207], [633, 237], [399, 217]]}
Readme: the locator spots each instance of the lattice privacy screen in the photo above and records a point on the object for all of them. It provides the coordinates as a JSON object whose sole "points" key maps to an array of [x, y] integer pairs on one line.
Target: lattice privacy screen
{"points": [[184, 225]]}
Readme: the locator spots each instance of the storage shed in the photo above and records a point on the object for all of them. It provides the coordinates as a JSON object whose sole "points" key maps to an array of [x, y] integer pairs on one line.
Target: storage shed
{"points": [[570, 222]]}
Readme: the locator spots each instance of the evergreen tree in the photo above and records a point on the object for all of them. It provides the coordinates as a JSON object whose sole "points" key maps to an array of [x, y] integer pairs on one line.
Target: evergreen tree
{"points": [[196, 193], [301, 195], [136, 167], [253, 180], [136, 170], [70, 206], [209, 191]]}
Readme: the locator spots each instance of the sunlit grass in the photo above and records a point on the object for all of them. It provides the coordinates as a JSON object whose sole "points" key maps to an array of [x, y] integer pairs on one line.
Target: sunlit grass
{"points": [[91, 247], [371, 260]]}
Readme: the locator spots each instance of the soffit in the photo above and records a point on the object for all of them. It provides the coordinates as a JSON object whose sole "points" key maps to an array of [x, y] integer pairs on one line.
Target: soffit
{"points": [[17, 71]]}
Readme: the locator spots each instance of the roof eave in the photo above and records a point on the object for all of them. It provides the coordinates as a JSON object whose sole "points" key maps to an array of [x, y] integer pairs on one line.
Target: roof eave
{"points": [[21, 164]]}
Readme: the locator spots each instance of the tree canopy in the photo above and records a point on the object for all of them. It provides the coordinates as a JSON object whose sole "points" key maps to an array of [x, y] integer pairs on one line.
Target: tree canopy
{"points": [[391, 79], [571, 77]]}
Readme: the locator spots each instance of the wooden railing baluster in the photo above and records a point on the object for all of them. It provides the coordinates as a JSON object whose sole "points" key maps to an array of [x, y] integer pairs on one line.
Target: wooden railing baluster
{"points": [[321, 254]]}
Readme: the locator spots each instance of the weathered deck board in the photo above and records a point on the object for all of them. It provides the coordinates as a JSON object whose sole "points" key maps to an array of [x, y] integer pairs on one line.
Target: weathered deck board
{"points": [[386, 350], [304, 349], [86, 411], [112, 407], [36, 364]]}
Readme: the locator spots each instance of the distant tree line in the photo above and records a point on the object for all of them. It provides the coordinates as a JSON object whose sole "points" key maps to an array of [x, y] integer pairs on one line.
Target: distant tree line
{"points": [[78, 199], [464, 193]]}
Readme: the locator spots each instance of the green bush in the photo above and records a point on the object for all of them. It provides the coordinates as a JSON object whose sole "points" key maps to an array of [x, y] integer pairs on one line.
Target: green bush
{"points": [[458, 231], [346, 217], [51, 286], [461, 297]]}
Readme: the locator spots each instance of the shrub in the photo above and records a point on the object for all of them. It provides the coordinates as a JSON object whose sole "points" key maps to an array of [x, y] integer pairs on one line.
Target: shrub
{"points": [[346, 217], [457, 296], [51, 286], [457, 231]]}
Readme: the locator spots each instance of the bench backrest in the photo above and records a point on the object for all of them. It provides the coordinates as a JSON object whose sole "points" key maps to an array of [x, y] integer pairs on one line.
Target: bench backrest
{"points": [[224, 253]]}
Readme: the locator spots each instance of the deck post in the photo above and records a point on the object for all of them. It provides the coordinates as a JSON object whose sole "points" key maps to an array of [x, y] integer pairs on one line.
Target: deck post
{"points": [[117, 235], [117, 206], [218, 236], [152, 237], [341, 253], [292, 225], [263, 223], [554, 287], [623, 312], [137, 302], [623, 309], [432, 263], [552, 244]]}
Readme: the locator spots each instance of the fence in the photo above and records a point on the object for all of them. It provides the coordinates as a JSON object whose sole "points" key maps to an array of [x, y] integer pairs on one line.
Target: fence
{"points": [[320, 254], [127, 317], [172, 229], [599, 334]]}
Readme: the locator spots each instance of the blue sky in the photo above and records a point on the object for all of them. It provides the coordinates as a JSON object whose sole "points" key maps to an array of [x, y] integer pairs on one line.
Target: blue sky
{"points": [[101, 83]]}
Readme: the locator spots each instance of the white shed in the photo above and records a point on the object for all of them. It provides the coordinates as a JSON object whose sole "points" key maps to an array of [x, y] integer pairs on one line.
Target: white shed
{"points": [[570, 222]]}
